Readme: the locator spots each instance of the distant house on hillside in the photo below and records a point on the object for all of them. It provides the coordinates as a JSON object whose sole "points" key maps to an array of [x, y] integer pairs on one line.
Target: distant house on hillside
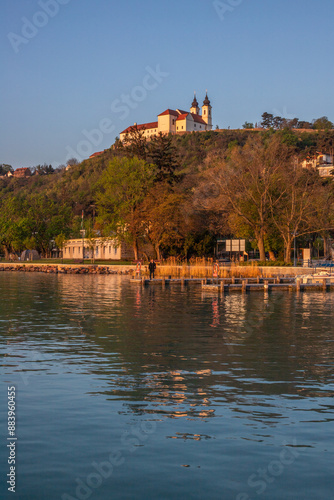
{"points": [[96, 154], [22, 172], [177, 121], [322, 162]]}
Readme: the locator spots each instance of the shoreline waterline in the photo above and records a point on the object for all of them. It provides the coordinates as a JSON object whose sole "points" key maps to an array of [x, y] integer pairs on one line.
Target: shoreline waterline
{"points": [[186, 271]]}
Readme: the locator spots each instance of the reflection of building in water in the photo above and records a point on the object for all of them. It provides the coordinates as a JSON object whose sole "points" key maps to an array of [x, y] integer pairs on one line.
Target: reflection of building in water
{"points": [[88, 297]]}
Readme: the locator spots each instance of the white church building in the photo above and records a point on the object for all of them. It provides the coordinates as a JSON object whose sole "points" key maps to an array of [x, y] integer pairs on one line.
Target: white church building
{"points": [[177, 121]]}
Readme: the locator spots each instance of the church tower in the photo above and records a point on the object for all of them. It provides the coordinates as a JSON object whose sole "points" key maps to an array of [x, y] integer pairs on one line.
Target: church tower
{"points": [[207, 112], [194, 106]]}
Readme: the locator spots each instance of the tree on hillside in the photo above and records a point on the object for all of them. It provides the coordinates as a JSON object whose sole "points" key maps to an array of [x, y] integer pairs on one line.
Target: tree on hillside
{"points": [[248, 125], [60, 241], [322, 123], [123, 187], [322, 219], [43, 169], [164, 219], [162, 153], [14, 225], [292, 202], [4, 168], [244, 183], [136, 144], [72, 162], [267, 120]]}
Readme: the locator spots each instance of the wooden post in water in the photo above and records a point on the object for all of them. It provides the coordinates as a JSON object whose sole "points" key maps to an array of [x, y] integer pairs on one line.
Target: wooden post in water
{"points": [[143, 280], [258, 279], [298, 284], [222, 283], [324, 284], [244, 285], [233, 280]]}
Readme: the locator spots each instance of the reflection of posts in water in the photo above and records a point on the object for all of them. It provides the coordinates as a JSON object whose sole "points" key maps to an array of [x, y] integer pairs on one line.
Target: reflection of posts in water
{"points": [[215, 313], [138, 299], [254, 320], [215, 272]]}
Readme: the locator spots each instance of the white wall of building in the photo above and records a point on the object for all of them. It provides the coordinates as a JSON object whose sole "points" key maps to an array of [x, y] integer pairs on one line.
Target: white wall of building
{"points": [[101, 249]]}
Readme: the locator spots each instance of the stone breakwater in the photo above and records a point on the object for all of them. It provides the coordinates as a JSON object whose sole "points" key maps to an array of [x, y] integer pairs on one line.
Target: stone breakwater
{"points": [[67, 269]]}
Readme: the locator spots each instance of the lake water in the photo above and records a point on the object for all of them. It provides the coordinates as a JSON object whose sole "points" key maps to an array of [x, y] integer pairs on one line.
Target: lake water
{"points": [[125, 392]]}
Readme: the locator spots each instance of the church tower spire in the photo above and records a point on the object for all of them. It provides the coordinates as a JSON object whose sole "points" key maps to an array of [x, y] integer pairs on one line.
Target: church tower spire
{"points": [[207, 112], [194, 106]]}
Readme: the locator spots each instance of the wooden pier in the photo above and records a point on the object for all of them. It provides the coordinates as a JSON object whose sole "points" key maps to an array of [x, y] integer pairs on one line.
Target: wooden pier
{"points": [[245, 285]]}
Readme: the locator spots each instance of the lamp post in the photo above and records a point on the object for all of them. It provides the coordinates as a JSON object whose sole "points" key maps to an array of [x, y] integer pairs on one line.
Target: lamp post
{"points": [[83, 233]]}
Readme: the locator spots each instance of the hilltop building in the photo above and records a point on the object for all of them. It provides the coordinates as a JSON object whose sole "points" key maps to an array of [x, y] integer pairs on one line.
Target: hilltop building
{"points": [[177, 121]]}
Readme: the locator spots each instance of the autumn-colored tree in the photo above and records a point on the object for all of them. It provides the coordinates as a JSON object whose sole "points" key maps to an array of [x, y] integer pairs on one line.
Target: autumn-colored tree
{"points": [[123, 187], [245, 181], [163, 217], [292, 202]]}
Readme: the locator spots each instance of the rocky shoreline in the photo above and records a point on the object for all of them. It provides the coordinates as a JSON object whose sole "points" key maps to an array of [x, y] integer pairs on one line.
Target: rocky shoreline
{"points": [[67, 269]]}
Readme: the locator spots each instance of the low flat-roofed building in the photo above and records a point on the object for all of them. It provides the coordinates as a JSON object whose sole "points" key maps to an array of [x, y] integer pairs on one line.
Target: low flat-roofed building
{"points": [[97, 248]]}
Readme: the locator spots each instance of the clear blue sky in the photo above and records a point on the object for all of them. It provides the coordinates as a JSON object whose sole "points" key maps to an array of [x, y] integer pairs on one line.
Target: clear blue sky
{"points": [[61, 77]]}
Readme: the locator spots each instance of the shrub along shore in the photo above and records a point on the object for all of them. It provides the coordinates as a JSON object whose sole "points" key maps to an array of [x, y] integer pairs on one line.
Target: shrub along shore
{"points": [[185, 271]]}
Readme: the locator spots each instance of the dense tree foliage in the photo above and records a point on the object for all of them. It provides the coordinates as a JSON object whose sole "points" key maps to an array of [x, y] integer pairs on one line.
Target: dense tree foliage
{"points": [[179, 193]]}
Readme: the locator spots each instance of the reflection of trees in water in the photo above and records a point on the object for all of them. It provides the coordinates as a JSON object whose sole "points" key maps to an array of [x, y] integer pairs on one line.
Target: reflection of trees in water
{"points": [[173, 351]]}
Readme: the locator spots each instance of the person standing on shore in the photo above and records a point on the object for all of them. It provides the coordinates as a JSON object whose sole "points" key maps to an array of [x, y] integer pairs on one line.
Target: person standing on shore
{"points": [[152, 267]]}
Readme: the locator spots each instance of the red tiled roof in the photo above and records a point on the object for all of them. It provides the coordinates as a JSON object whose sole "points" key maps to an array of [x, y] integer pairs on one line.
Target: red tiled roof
{"points": [[96, 154], [198, 119], [181, 112], [143, 126], [169, 112], [182, 117]]}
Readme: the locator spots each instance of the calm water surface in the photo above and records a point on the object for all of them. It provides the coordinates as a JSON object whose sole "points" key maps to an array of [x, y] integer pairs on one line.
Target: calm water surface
{"points": [[130, 393]]}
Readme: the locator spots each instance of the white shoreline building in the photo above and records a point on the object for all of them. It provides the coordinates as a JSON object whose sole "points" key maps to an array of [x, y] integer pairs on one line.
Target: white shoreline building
{"points": [[98, 248], [177, 121]]}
